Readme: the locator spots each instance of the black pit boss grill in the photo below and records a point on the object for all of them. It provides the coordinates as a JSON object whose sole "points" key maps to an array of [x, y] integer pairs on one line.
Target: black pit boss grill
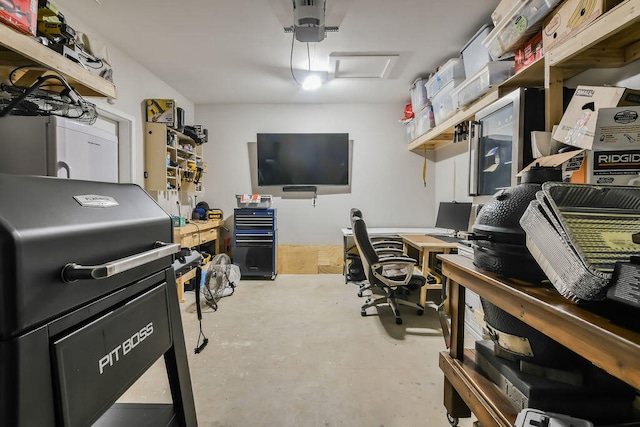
{"points": [[88, 303]]}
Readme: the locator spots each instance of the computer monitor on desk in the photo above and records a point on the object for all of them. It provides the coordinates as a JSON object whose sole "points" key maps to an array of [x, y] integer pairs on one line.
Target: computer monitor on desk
{"points": [[453, 216]]}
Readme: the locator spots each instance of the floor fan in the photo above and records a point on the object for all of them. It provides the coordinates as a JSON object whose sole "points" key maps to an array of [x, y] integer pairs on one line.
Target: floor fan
{"points": [[220, 280]]}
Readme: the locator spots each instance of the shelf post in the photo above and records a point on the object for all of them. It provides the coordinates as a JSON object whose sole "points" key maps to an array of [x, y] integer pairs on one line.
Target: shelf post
{"points": [[553, 85]]}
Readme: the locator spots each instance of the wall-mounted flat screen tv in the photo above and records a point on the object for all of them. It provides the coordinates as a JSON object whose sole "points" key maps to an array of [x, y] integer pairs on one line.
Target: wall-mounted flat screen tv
{"points": [[303, 158]]}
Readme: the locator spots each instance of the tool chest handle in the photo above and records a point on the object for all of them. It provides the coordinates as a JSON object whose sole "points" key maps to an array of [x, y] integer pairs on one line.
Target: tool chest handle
{"points": [[72, 271]]}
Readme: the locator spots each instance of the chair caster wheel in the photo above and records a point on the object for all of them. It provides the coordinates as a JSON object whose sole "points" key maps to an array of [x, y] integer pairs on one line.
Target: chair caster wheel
{"points": [[363, 313], [360, 294], [420, 312], [452, 420], [398, 321], [368, 300]]}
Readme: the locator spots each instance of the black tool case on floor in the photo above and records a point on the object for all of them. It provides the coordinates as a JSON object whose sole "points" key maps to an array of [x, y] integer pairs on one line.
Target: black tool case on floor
{"points": [[87, 304]]}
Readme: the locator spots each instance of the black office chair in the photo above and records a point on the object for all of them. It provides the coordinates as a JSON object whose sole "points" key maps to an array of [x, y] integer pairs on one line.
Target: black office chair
{"points": [[391, 274], [385, 245]]}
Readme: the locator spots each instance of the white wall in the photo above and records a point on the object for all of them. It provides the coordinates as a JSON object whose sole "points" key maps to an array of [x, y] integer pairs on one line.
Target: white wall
{"points": [[452, 174], [135, 84], [386, 178]]}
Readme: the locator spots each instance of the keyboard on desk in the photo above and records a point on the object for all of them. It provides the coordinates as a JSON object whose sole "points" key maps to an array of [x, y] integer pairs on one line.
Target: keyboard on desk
{"points": [[445, 238]]}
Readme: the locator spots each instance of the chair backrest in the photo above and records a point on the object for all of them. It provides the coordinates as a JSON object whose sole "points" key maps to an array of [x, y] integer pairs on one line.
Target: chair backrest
{"points": [[355, 212], [368, 254]]}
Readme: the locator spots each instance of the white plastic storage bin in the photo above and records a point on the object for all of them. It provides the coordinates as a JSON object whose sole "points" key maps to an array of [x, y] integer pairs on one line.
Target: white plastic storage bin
{"points": [[255, 201], [505, 9], [474, 54], [494, 73], [418, 95], [454, 68], [410, 128], [525, 21], [425, 120], [443, 106]]}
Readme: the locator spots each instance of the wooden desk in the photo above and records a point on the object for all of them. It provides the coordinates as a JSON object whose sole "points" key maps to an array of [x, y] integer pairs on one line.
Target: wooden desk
{"points": [[193, 234], [425, 246], [596, 334]]}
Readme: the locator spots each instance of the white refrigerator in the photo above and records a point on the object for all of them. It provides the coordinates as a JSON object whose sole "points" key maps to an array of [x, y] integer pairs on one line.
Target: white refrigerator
{"points": [[56, 146]]}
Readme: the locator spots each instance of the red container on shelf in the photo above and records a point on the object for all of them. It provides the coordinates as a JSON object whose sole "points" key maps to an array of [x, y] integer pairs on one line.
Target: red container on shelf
{"points": [[20, 14], [529, 53]]}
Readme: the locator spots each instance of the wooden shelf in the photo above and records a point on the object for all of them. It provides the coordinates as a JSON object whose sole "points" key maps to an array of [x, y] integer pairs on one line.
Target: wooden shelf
{"points": [[442, 134], [607, 334], [487, 402], [20, 50], [612, 40]]}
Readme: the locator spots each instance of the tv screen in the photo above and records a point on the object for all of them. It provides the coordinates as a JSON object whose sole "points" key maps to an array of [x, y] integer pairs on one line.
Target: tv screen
{"points": [[303, 158]]}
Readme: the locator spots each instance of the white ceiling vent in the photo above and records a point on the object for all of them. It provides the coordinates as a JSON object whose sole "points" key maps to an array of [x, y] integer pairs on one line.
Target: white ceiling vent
{"points": [[361, 65]]}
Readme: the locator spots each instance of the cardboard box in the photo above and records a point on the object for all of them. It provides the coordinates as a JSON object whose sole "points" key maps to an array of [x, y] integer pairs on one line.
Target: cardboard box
{"points": [[529, 53], [578, 123], [570, 162], [571, 17], [615, 158], [22, 15], [162, 111]]}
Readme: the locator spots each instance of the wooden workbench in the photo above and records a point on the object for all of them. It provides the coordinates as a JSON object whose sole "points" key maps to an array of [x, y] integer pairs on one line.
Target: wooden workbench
{"points": [[605, 334], [192, 235]]}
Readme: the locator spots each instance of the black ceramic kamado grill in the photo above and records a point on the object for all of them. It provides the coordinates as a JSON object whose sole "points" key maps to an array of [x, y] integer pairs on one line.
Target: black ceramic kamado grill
{"points": [[88, 304]]}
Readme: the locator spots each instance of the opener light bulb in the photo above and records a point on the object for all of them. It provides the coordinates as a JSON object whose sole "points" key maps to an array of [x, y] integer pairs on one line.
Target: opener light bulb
{"points": [[311, 82]]}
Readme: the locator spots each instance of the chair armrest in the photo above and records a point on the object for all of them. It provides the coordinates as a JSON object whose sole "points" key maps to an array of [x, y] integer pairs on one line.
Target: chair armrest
{"points": [[405, 264]]}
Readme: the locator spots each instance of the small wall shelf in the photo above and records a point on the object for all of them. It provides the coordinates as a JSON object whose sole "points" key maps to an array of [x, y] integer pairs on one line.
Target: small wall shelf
{"points": [[21, 50]]}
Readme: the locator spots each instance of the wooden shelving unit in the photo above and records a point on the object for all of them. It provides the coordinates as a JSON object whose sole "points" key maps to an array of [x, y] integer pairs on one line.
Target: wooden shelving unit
{"points": [[167, 164], [612, 40], [605, 335], [442, 134], [17, 50]]}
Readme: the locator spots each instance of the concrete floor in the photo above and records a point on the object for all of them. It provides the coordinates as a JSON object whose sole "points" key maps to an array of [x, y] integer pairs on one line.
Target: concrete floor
{"points": [[295, 352]]}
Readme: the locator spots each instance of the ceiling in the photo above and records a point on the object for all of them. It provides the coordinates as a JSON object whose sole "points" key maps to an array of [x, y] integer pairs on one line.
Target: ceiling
{"points": [[234, 51]]}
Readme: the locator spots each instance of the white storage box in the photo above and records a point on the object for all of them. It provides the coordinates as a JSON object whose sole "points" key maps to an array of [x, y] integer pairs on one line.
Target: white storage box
{"points": [[505, 9], [410, 129], [425, 120], [475, 55], [443, 106], [418, 95], [255, 201], [525, 21], [494, 73], [454, 68]]}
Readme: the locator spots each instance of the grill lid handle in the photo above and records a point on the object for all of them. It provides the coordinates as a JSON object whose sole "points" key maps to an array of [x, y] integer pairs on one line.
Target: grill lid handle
{"points": [[72, 271]]}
